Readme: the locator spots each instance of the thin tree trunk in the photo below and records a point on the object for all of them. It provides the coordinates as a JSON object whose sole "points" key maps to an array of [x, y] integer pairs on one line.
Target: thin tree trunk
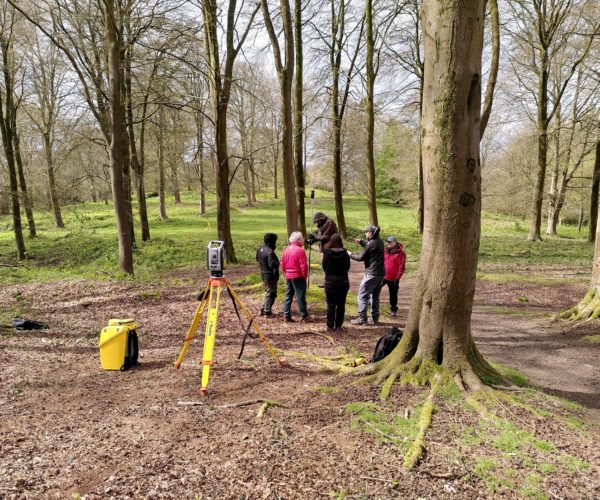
{"points": [[542, 125], [22, 183], [553, 195], [52, 181], [370, 114], [175, 181], [337, 176], [299, 117], [162, 208], [118, 145], [136, 164]]}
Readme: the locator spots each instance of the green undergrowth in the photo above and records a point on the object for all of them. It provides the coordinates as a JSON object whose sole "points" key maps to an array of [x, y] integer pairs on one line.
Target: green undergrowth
{"points": [[513, 450], [87, 247], [592, 339]]}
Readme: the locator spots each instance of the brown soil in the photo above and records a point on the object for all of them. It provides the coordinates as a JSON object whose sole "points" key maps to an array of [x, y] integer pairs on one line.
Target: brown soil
{"points": [[67, 427]]}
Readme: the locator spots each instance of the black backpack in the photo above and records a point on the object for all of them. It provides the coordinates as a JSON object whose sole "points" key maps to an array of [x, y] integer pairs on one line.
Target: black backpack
{"points": [[131, 351], [386, 344]]}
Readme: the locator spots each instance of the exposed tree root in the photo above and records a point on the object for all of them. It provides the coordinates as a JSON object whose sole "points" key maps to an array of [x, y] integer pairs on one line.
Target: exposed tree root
{"points": [[588, 308], [334, 364], [266, 403], [414, 454]]}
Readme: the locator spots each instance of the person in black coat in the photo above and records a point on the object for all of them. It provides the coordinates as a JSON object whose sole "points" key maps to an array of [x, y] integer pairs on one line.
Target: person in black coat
{"points": [[336, 264], [269, 269]]}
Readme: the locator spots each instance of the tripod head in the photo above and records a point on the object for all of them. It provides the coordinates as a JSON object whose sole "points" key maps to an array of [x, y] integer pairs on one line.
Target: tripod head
{"points": [[215, 258]]}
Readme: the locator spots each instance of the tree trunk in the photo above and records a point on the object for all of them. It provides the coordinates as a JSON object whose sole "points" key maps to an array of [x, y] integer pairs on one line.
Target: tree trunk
{"points": [[337, 176], [22, 183], [136, 164], [162, 208], [223, 193], [119, 144], [421, 209], [439, 322], [542, 125], [175, 181], [285, 73], [594, 195], [553, 196], [54, 202], [299, 118], [370, 114]]}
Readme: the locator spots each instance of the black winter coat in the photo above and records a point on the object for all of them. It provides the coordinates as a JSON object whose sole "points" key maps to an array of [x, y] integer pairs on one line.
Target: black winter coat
{"points": [[336, 264], [372, 255], [268, 262]]}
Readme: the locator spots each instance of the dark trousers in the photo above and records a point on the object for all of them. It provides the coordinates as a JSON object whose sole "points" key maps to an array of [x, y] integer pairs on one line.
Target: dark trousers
{"points": [[297, 287], [270, 294], [393, 288], [336, 305]]}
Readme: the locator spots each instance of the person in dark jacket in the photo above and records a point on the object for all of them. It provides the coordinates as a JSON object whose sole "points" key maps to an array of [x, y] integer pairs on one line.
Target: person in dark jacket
{"points": [[370, 287], [269, 269], [336, 264], [326, 228], [395, 261]]}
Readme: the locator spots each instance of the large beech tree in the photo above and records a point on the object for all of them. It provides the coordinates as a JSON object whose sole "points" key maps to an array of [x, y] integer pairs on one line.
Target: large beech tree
{"points": [[438, 329]]}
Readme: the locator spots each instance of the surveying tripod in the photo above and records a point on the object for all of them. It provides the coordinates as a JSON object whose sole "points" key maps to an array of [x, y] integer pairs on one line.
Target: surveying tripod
{"points": [[211, 298]]}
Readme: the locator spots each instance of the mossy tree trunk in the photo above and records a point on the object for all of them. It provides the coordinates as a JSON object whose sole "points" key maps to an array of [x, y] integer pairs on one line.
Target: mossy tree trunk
{"points": [[589, 307], [439, 322], [594, 194]]}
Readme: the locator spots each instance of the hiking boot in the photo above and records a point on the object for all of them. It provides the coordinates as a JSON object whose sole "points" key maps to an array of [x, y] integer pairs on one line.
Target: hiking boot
{"points": [[394, 313], [262, 313], [373, 321], [359, 321], [267, 314], [288, 319], [306, 319], [339, 329], [331, 329]]}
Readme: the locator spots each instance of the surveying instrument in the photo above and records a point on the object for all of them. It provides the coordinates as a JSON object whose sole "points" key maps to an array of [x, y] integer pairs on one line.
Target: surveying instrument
{"points": [[210, 299]]}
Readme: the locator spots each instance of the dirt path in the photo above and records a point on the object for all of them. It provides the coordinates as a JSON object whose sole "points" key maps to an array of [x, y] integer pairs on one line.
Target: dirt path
{"points": [[512, 325]]}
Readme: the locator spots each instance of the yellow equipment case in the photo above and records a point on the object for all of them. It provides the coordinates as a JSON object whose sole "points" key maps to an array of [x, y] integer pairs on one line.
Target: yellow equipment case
{"points": [[119, 344]]}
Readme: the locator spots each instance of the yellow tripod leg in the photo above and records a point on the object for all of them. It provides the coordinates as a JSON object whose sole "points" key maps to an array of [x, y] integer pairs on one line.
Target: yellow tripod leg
{"points": [[258, 331], [209, 339], [191, 334]]}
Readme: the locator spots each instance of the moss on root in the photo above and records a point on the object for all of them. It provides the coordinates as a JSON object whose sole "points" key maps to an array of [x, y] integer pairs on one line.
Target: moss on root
{"points": [[587, 309]]}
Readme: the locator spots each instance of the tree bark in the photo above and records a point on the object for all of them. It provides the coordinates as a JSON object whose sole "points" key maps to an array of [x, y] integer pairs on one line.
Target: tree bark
{"points": [[542, 126], [299, 118], [553, 195], [440, 313], [285, 72], [162, 208], [136, 164], [54, 201], [594, 196], [370, 115], [27, 204], [119, 143]]}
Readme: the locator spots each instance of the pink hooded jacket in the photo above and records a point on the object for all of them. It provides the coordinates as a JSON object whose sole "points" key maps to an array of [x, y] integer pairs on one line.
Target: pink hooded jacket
{"points": [[293, 261]]}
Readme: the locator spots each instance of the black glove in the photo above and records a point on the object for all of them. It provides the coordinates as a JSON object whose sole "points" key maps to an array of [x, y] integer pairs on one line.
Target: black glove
{"points": [[311, 239]]}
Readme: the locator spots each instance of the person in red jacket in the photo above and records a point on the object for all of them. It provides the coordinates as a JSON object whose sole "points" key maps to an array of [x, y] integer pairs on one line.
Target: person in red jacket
{"points": [[395, 261], [295, 268]]}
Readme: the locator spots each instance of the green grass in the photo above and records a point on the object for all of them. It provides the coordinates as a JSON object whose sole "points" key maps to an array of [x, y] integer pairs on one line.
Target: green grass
{"points": [[592, 339], [87, 247]]}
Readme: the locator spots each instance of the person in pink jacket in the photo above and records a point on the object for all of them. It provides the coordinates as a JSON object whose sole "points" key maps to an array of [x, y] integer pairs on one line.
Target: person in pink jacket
{"points": [[395, 261], [295, 268]]}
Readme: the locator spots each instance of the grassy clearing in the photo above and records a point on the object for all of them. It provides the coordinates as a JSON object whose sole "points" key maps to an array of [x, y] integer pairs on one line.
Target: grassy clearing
{"points": [[87, 247]]}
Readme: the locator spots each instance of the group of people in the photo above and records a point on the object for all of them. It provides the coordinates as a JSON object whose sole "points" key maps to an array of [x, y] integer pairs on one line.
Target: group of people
{"points": [[383, 267]]}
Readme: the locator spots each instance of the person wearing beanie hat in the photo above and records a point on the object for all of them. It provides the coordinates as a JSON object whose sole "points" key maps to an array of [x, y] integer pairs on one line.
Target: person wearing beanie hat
{"points": [[372, 282], [269, 270], [326, 228], [395, 262]]}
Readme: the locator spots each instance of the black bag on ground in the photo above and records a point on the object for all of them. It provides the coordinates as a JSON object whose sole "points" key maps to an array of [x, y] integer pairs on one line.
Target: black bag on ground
{"points": [[131, 351], [386, 344], [28, 324]]}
